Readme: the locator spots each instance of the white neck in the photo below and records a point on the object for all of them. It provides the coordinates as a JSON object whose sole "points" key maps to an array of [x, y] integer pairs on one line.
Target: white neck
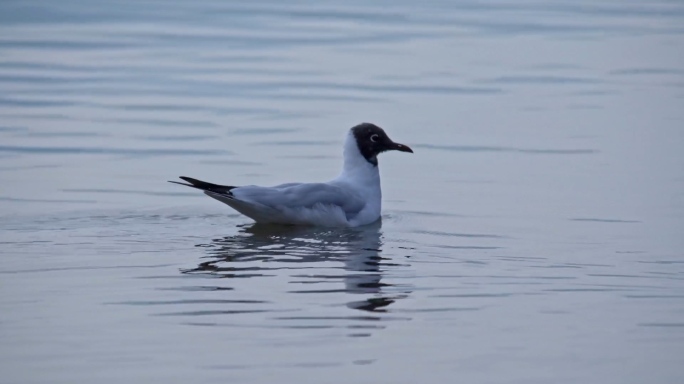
{"points": [[363, 177], [356, 168]]}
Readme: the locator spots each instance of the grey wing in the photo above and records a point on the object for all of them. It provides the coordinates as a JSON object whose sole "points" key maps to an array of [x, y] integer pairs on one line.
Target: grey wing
{"points": [[303, 195], [286, 185]]}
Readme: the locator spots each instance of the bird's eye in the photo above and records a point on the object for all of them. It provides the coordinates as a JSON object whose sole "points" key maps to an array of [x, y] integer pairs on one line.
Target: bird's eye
{"points": [[374, 138]]}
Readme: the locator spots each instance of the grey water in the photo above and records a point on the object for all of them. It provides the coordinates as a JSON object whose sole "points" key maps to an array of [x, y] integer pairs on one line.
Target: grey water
{"points": [[536, 235]]}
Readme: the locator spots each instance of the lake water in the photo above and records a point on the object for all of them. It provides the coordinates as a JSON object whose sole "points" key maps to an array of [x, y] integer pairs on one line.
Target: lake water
{"points": [[536, 235]]}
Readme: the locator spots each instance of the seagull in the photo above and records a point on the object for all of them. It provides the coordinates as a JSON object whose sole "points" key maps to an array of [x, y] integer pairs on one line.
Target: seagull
{"points": [[352, 199]]}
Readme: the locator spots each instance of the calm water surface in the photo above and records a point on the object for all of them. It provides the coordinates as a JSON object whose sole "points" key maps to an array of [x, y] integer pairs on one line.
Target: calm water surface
{"points": [[535, 236]]}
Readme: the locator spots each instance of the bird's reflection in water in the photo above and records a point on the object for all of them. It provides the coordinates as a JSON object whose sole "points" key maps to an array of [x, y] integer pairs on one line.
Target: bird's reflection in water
{"points": [[358, 250]]}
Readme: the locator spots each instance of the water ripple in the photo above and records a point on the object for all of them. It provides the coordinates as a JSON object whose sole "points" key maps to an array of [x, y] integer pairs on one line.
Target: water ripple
{"points": [[306, 252], [601, 220], [111, 151], [478, 148]]}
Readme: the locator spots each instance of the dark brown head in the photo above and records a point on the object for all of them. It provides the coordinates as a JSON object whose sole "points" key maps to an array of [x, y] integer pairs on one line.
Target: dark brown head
{"points": [[372, 140]]}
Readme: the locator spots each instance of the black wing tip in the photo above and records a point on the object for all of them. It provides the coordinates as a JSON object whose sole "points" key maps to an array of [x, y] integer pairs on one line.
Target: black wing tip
{"points": [[179, 183], [189, 179], [204, 186]]}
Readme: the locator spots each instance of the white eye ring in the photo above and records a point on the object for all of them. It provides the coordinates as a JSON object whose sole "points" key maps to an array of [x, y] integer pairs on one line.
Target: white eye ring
{"points": [[374, 138]]}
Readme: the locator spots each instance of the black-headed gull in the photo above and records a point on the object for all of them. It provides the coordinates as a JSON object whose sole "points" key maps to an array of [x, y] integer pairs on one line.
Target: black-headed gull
{"points": [[350, 200]]}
